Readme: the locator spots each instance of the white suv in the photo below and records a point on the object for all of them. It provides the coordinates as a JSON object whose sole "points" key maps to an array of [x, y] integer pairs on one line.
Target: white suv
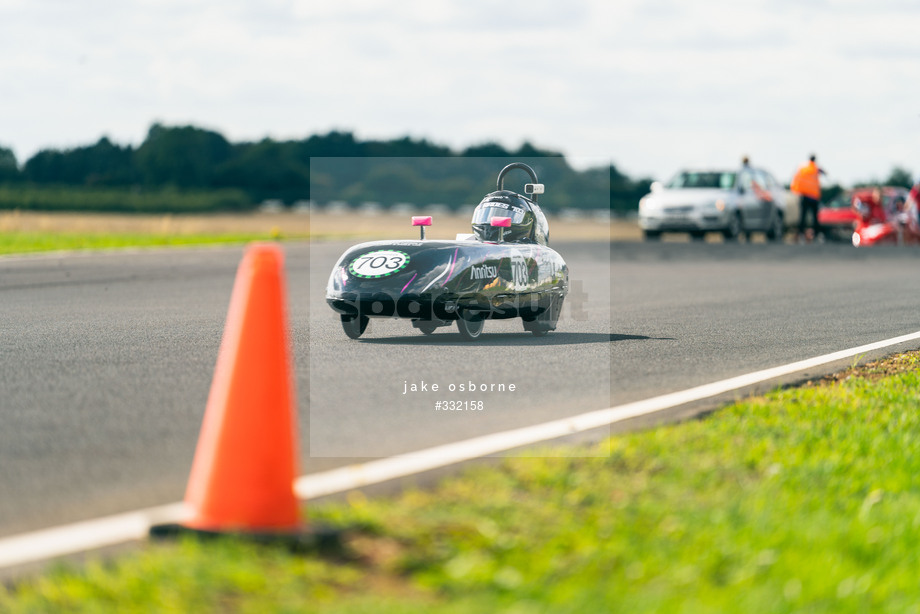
{"points": [[732, 203]]}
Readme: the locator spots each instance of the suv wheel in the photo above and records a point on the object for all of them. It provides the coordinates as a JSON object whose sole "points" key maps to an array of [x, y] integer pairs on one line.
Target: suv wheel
{"points": [[775, 229], [734, 228]]}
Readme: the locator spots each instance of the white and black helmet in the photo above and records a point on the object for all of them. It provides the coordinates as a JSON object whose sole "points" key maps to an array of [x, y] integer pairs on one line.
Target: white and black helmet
{"points": [[504, 204], [528, 224]]}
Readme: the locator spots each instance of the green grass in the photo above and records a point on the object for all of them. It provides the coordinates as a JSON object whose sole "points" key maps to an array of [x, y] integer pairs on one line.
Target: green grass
{"points": [[27, 242], [806, 500]]}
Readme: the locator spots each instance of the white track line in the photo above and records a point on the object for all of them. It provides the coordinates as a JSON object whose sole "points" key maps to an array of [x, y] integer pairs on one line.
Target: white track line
{"points": [[112, 530], [83, 536]]}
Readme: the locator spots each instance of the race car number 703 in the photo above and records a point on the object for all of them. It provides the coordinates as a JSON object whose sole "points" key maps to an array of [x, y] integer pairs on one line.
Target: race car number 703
{"points": [[379, 263]]}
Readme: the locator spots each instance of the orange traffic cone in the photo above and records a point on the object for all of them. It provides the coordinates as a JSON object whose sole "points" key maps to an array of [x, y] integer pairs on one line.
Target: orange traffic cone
{"points": [[243, 474], [242, 477]]}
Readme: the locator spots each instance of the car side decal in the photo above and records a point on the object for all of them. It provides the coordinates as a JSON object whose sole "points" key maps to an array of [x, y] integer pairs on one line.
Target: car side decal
{"points": [[449, 267]]}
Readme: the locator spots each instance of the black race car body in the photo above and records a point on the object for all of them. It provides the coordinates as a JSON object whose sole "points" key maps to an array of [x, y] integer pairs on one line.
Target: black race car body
{"points": [[436, 282], [437, 279]]}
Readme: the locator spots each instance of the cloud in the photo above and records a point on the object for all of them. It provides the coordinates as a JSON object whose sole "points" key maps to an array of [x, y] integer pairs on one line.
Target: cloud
{"points": [[652, 84]]}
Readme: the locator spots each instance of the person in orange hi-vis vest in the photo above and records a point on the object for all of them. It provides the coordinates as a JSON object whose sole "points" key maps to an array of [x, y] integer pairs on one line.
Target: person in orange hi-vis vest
{"points": [[807, 185]]}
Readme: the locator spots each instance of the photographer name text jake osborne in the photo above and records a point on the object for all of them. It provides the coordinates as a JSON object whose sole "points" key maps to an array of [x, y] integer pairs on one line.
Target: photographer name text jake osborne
{"points": [[467, 386]]}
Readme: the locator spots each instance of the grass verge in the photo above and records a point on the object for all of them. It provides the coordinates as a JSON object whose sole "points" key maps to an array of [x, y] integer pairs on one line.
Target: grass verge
{"points": [[29, 231], [22, 243], [803, 500]]}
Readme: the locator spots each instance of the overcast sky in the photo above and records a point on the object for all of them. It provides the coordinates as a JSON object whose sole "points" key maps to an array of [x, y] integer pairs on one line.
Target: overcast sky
{"points": [[652, 85]]}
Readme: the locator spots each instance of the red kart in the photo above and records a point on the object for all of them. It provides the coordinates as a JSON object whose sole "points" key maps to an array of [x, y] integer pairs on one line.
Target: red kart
{"points": [[886, 216], [839, 219]]}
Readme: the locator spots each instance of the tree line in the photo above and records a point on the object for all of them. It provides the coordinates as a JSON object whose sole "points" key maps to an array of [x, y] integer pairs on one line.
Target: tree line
{"points": [[188, 168], [174, 162]]}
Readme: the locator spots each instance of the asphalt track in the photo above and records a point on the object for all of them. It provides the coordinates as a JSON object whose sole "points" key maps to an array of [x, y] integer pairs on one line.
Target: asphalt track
{"points": [[106, 359]]}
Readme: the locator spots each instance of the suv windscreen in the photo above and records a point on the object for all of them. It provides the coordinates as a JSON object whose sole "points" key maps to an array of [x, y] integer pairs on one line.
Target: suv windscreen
{"points": [[687, 179]]}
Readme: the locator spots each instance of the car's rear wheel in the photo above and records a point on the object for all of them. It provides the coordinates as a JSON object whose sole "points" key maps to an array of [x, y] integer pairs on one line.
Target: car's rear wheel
{"points": [[652, 235], [354, 326], [734, 228], [470, 325], [697, 235], [543, 323]]}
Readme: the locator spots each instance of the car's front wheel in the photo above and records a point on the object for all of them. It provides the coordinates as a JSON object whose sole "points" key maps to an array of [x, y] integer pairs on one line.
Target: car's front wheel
{"points": [[426, 328], [354, 326], [652, 235]]}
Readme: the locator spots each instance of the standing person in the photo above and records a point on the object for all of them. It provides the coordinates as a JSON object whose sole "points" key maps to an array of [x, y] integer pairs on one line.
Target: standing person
{"points": [[807, 185]]}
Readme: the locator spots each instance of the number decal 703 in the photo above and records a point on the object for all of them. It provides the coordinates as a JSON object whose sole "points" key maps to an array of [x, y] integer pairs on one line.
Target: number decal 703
{"points": [[379, 263]]}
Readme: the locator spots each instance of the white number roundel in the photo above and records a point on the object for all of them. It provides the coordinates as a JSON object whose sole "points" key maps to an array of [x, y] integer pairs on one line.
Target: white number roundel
{"points": [[379, 264]]}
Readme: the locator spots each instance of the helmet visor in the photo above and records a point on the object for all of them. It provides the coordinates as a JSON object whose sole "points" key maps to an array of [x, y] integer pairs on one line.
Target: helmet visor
{"points": [[484, 213]]}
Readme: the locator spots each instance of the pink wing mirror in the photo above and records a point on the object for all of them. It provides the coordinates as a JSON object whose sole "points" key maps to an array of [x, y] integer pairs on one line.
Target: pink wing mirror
{"points": [[501, 223], [422, 221]]}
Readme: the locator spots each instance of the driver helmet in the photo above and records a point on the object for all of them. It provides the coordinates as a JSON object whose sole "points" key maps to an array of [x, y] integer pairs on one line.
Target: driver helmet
{"points": [[505, 203]]}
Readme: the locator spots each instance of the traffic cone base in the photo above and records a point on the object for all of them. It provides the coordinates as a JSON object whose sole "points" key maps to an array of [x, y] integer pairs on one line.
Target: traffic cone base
{"points": [[324, 540]]}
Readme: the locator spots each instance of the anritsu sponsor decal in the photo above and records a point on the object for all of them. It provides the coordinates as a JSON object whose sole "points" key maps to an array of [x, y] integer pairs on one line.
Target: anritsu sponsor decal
{"points": [[485, 271]]}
